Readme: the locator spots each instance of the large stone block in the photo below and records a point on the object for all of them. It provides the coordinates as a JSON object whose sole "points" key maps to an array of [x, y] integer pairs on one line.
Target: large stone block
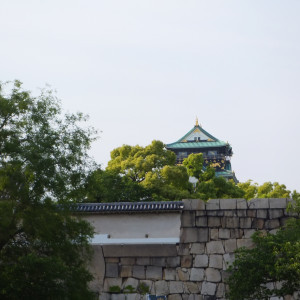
{"points": [[214, 222], [248, 243], [191, 287], [197, 274], [186, 261], [130, 282], [139, 250], [201, 221], [174, 297], [208, 288], [212, 275], [224, 233], [188, 219], [272, 224], [258, 203], [228, 204], [158, 261], [201, 261], [161, 287], [241, 204], [188, 235], [176, 287], [169, 274], [278, 202], [216, 261], [236, 233], [258, 223], [112, 270], [183, 249], [183, 274], [117, 297], [231, 222], [193, 204], [173, 261], [245, 222], [109, 282], [262, 213], [126, 271], [220, 290], [276, 213], [248, 233], [143, 261], [213, 204], [197, 248], [228, 259], [138, 272], [214, 234], [230, 245], [97, 269], [153, 272], [215, 247], [128, 261]]}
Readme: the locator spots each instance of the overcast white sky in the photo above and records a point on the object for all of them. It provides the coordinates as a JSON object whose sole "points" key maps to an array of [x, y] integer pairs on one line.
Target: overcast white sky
{"points": [[144, 70]]}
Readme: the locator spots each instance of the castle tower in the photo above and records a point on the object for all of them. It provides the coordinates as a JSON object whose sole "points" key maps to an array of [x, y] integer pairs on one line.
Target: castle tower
{"points": [[215, 152]]}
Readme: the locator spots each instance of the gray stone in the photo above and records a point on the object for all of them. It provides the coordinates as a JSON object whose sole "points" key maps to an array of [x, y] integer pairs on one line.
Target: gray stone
{"points": [[245, 222], [117, 297], [186, 261], [173, 261], [158, 261], [183, 249], [228, 204], [149, 284], [143, 261], [202, 235], [195, 297], [109, 282], [212, 275], [236, 233], [161, 287], [213, 204], [132, 296], [176, 287], [197, 274], [153, 272], [188, 219], [174, 297], [230, 245], [248, 233], [224, 233], [278, 203], [142, 250], [231, 222], [208, 288], [97, 268], [138, 272], [241, 204], [241, 213], [258, 203], [251, 213], [248, 243], [272, 224], [276, 213], [112, 270], [131, 281], [215, 247], [126, 271], [111, 259], [183, 274], [169, 274], [262, 213], [128, 261], [201, 261], [201, 221], [193, 204], [230, 213], [197, 248], [214, 222], [191, 287], [258, 223], [228, 260], [220, 290], [188, 235], [214, 234], [216, 261], [104, 296]]}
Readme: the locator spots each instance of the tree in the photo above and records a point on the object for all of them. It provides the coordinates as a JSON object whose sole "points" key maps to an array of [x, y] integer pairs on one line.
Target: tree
{"points": [[43, 163], [272, 268]]}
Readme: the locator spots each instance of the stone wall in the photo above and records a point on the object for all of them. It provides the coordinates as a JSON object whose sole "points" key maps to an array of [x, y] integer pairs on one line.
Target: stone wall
{"points": [[195, 268]]}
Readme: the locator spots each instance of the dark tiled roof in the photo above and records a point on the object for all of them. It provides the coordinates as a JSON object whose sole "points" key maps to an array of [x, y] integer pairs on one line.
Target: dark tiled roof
{"points": [[119, 207]]}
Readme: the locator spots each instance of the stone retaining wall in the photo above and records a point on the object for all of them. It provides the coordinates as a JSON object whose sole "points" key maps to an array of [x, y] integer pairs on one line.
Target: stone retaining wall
{"points": [[194, 269]]}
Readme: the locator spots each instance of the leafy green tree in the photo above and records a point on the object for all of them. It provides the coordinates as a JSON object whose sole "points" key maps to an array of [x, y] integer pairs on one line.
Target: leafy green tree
{"points": [[43, 162], [194, 164], [275, 259]]}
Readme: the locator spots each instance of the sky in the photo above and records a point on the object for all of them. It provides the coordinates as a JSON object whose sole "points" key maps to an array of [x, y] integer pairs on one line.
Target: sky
{"points": [[144, 70]]}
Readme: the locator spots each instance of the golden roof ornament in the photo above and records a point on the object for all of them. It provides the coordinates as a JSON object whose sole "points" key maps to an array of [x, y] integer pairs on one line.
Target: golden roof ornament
{"points": [[197, 124]]}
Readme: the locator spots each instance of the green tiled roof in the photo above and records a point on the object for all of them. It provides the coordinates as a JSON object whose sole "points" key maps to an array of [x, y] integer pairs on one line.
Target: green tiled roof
{"points": [[201, 129], [178, 145]]}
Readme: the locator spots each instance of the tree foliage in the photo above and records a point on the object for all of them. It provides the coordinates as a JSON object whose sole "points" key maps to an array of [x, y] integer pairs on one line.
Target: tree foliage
{"points": [[43, 161], [272, 268]]}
